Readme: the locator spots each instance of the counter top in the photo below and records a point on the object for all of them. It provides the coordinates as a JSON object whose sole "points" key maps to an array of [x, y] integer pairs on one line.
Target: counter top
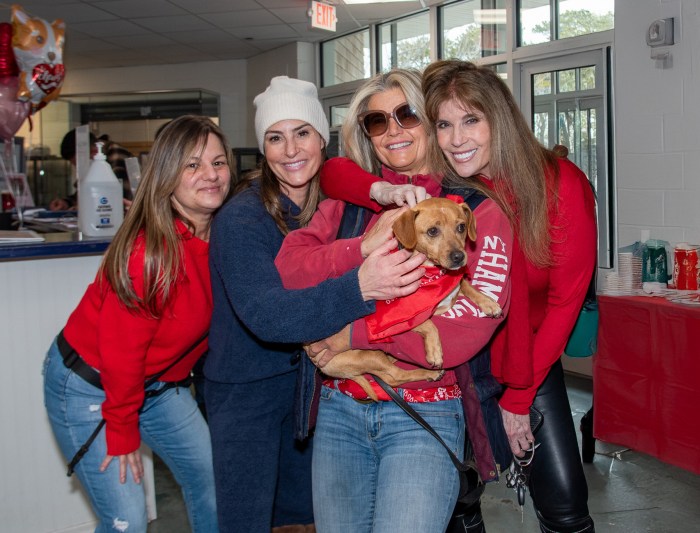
{"points": [[65, 244]]}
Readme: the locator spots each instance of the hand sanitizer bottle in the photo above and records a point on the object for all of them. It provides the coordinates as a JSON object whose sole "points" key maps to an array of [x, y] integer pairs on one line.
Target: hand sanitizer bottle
{"points": [[100, 199]]}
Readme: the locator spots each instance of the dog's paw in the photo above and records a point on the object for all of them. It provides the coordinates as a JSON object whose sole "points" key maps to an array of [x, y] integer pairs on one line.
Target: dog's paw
{"points": [[491, 309], [434, 359], [438, 375]]}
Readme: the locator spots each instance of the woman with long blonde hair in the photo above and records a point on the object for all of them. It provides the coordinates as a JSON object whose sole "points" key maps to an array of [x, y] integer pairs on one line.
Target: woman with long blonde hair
{"points": [[366, 453]]}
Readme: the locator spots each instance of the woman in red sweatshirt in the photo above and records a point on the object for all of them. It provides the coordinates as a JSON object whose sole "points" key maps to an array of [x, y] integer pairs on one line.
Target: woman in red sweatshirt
{"points": [[487, 145], [374, 469], [150, 303]]}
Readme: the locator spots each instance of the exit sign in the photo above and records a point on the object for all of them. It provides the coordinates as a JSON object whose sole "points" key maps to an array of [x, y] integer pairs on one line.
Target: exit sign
{"points": [[323, 16]]}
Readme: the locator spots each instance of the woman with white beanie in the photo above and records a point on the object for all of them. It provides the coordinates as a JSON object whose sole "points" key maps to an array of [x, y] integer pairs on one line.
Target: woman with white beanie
{"points": [[262, 472]]}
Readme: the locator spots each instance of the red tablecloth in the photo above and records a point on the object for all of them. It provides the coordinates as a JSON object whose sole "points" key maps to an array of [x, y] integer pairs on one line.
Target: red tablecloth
{"points": [[646, 378]]}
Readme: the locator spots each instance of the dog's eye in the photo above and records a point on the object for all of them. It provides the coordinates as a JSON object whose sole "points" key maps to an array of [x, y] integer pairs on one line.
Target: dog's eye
{"points": [[433, 232], [461, 228]]}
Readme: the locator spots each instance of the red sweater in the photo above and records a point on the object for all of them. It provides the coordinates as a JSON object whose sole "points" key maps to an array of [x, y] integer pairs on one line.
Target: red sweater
{"points": [[311, 255], [127, 347], [556, 293]]}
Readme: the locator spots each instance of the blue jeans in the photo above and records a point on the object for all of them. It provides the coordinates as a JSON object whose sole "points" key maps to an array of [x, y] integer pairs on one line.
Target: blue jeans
{"points": [[375, 470], [170, 424]]}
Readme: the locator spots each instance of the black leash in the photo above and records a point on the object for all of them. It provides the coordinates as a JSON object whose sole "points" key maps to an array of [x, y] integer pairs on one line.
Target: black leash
{"points": [[471, 486], [150, 381], [418, 418]]}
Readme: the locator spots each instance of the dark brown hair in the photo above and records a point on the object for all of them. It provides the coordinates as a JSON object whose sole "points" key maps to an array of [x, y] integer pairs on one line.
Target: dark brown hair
{"points": [[519, 163]]}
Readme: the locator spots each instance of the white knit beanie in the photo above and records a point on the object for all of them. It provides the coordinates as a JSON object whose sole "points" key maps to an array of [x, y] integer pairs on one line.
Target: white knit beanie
{"points": [[288, 99]]}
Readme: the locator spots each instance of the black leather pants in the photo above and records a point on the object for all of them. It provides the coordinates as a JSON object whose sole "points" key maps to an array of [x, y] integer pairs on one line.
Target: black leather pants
{"points": [[557, 483]]}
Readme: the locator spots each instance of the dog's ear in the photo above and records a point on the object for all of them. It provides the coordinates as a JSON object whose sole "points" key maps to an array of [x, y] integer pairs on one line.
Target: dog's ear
{"points": [[405, 229], [471, 222]]}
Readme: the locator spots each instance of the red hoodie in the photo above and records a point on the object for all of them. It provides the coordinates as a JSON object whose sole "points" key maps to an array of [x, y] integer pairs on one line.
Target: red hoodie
{"points": [[127, 347]]}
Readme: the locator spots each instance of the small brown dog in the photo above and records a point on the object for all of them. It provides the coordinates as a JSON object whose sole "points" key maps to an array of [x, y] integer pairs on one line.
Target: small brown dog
{"points": [[439, 228]]}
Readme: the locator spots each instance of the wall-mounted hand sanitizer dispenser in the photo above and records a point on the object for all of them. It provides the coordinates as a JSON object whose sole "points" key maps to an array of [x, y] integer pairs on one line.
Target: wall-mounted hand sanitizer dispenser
{"points": [[660, 33]]}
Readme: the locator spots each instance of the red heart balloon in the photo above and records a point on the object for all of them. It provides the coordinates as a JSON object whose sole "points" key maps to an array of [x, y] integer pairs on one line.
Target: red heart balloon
{"points": [[48, 77], [13, 112]]}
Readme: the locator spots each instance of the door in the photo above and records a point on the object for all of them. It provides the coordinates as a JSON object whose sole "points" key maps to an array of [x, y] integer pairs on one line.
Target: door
{"points": [[567, 100]]}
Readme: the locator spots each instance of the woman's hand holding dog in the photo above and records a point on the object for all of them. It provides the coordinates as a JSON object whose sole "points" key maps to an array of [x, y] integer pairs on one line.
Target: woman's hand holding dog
{"points": [[380, 232], [384, 193], [321, 352], [384, 275]]}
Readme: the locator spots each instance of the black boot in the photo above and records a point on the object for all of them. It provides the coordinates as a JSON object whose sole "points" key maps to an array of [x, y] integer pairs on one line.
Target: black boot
{"points": [[584, 525], [466, 519], [587, 439]]}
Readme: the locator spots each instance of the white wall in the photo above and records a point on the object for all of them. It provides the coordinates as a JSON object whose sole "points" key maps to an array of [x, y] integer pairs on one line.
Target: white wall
{"points": [[227, 78], [292, 60], [237, 82], [657, 131]]}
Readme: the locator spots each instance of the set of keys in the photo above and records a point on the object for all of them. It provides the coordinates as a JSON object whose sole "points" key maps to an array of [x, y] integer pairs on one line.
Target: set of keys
{"points": [[518, 475]]}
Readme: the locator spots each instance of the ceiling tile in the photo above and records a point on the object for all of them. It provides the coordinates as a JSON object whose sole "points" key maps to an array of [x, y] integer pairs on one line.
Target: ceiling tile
{"points": [[140, 8], [236, 19], [176, 23], [178, 31]]}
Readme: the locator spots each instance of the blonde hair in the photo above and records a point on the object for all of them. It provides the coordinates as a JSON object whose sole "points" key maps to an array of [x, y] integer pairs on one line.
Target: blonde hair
{"points": [[519, 164], [152, 213], [356, 144]]}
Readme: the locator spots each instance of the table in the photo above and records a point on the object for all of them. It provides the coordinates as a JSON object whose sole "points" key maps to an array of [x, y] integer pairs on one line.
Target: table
{"points": [[646, 378], [41, 283]]}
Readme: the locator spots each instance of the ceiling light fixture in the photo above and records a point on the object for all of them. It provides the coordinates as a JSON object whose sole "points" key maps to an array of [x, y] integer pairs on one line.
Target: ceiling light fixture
{"points": [[352, 2]]}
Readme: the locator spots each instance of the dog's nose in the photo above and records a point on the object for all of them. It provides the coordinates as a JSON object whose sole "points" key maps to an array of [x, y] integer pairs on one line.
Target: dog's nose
{"points": [[457, 257]]}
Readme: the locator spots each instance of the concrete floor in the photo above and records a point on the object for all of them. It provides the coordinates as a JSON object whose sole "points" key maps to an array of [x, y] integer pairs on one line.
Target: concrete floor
{"points": [[629, 492]]}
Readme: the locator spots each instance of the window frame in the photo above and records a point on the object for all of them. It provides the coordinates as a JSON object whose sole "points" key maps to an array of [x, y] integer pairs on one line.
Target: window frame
{"points": [[513, 57]]}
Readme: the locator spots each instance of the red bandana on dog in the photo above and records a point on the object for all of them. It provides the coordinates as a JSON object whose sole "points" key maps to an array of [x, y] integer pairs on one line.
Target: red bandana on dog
{"points": [[403, 314]]}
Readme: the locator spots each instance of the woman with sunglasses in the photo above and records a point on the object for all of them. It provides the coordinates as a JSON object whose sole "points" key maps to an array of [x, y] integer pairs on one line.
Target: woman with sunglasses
{"points": [[487, 145], [374, 469]]}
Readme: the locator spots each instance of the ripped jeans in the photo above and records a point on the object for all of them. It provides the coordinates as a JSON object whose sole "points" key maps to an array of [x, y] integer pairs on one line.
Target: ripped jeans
{"points": [[170, 424]]}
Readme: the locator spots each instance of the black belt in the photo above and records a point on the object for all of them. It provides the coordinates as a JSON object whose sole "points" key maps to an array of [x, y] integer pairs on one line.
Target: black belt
{"points": [[72, 360]]}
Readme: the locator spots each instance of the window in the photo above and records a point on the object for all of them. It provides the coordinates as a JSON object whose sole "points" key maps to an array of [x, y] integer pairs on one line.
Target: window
{"points": [[566, 96], [541, 21], [473, 29], [337, 114], [405, 43], [569, 107], [345, 59], [501, 69]]}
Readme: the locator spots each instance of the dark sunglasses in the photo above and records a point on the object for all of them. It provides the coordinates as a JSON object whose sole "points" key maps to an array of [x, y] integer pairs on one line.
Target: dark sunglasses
{"points": [[376, 123]]}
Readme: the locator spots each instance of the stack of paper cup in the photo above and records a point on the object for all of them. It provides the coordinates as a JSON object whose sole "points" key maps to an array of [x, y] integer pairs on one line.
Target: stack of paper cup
{"points": [[629, 270]]}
